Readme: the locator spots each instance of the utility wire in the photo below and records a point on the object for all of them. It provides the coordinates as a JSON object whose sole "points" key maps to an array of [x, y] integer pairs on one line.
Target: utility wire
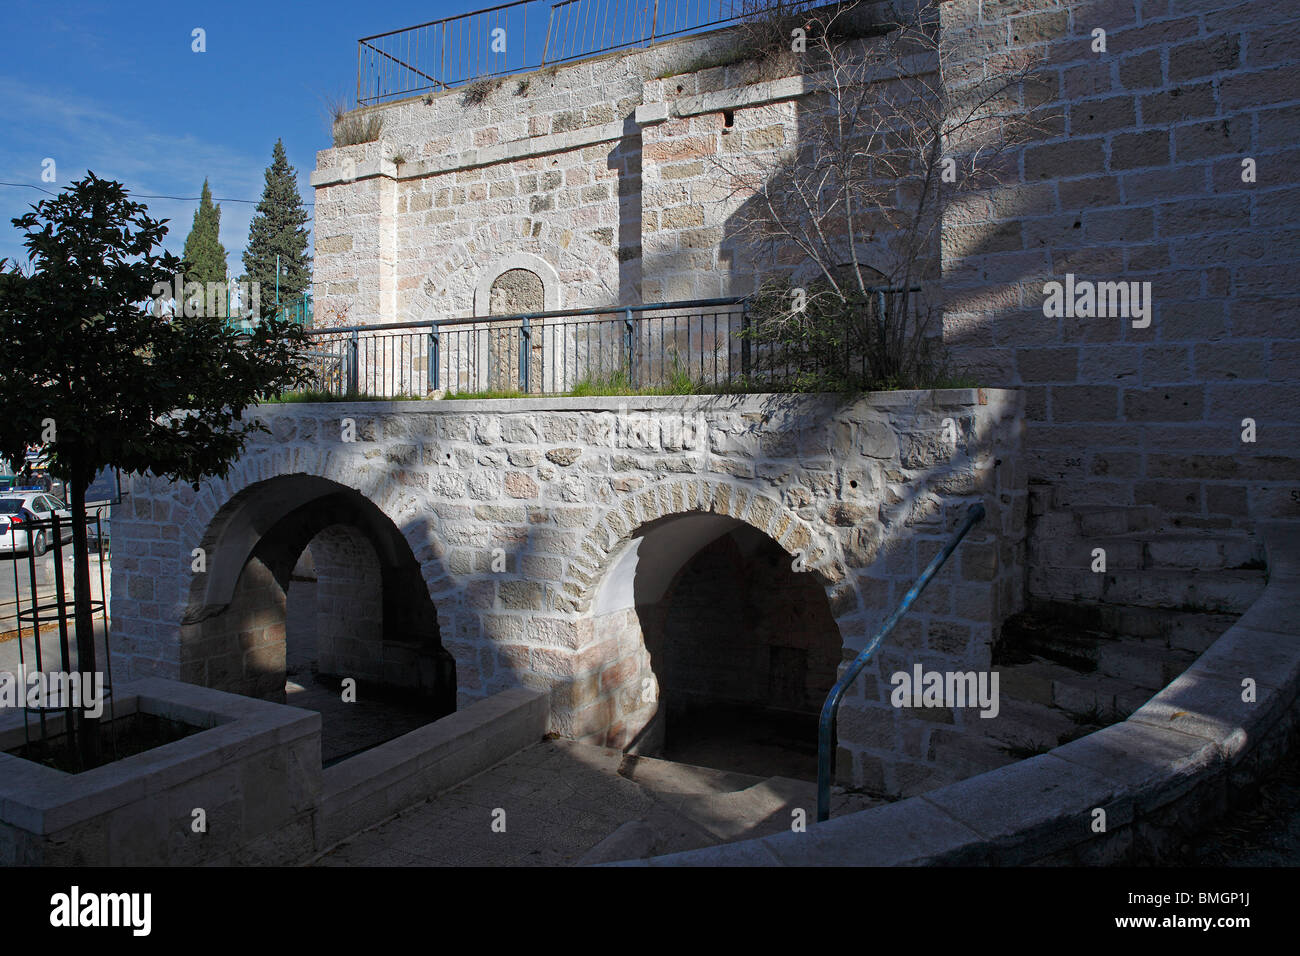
{"points": [[147, 196]]}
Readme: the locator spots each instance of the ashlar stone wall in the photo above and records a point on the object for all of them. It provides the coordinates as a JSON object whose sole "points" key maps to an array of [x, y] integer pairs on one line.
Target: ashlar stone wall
{"points": [[545, 530]]}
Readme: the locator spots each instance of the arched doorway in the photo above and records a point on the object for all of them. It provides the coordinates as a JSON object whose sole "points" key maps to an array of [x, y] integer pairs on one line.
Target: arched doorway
{"points": [[740, 648], [308, 584]]}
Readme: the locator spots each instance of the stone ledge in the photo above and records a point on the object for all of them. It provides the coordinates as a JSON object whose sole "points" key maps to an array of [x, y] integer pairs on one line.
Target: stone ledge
{"points": [[373, 785], [1169, 760], [43, 800], [254, 767], [470, 159], [902, 398]]}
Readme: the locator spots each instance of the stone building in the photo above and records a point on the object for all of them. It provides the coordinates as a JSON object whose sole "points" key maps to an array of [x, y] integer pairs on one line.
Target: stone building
{"points": [[1161, 439], [589, 185]]}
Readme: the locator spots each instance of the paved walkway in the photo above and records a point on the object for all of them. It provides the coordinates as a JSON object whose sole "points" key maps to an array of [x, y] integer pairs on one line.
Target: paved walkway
{"points": [[562, 799]]}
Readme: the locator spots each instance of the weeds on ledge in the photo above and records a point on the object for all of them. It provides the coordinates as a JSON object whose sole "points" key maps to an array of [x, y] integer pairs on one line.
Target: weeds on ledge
{"points": [[350, 128]]}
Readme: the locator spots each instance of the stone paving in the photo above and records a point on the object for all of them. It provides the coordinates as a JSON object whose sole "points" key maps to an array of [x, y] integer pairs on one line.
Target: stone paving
{"points": [[349, 728], [561, 799]]}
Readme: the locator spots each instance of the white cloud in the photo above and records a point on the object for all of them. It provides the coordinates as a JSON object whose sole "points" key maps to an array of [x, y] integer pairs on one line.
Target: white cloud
{"points": [[149, 155]]}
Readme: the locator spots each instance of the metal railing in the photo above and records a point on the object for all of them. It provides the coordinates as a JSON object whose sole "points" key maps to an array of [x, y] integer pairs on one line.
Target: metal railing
{"points": [[39, 612], [521, 36], [699, 345], [825, 729], [537, 353], [297, 310]]}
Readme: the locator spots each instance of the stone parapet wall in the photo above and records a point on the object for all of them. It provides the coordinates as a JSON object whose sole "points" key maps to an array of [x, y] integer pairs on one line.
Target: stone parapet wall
{"points": [[520, 515]]}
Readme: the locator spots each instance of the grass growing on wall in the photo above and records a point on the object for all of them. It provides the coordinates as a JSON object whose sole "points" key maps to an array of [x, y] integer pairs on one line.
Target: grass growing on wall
{"points": [[608, 385], [350, 127], [317, 395]]}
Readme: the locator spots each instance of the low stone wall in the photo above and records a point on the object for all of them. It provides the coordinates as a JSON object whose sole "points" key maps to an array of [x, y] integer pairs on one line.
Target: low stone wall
{"points": [[1125, 794], [254, 772], [374, 785]]}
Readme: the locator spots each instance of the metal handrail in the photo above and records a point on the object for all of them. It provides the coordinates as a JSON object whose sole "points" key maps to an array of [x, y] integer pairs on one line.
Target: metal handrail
{"points": [[567, 313], [445, 53], [824, 753], [530, 316]]}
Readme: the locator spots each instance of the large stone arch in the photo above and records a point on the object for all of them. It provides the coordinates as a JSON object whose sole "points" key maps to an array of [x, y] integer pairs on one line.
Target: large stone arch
{"points": [[636, 549], [610, 534], [233, 631]]}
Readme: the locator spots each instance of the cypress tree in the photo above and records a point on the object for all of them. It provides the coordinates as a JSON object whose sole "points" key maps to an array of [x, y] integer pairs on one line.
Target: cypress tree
{"points": [[203, 250], [279, 227]]}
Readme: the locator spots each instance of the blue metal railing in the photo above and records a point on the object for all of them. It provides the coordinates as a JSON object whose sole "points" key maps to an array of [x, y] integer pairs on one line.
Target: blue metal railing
{"points": [[826, 727], [710, 342]]}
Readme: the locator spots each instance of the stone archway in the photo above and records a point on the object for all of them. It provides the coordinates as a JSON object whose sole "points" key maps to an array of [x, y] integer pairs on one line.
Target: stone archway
{"points": [[516, 291], [375, 621], [696, 614], [631, 560]]}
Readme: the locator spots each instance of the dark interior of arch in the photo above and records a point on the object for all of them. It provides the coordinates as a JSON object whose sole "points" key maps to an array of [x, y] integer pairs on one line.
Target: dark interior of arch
{"points": [[397, 649], [745, 650]]}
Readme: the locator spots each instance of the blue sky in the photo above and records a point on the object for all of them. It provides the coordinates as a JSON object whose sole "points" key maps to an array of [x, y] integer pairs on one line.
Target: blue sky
{"points": [[115, 87]]}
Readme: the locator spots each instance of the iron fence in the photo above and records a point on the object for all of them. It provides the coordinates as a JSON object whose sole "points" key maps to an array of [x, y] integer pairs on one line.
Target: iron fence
{"points": [[697, 345], [524, 35], [42, 605]]}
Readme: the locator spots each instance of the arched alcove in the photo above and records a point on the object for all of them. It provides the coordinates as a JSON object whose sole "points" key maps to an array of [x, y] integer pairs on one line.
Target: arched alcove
{"points": [[309, 575], [516, 285], [724, 652]]}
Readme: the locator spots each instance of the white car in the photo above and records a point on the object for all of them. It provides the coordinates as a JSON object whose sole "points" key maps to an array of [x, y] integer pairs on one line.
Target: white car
{"points": [[19, 508]]}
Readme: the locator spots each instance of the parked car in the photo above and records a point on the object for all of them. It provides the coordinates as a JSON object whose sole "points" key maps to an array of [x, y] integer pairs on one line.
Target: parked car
{"points": [[98, 541], [23, 508]]}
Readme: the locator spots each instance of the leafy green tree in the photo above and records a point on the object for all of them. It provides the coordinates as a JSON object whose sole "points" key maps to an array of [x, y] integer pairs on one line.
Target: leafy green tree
{"points": [[279, 227], [203, 249], [97, 380]]}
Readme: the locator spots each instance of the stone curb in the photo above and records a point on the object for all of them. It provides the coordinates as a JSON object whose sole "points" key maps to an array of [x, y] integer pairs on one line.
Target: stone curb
{"points": [[1168, 768]]}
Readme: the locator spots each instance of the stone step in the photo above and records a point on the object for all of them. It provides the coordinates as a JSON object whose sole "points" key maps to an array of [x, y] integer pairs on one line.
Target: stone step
{"points": [[665, 776], [1143, 663], [1096, 520], [1034, 681], [966, 755], [1188, 630], [1024, 727], [1192, 550], [1189, 590], [765, 807], [1221, 592], [1100, 696], [1079, 694]]}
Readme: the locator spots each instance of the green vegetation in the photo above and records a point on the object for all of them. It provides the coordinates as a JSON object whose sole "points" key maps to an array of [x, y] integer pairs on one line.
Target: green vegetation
{"points": [[318, 395], [710, 61], [679, 383], [350, 127], [279, 229], [203, 247], [479, 90]]}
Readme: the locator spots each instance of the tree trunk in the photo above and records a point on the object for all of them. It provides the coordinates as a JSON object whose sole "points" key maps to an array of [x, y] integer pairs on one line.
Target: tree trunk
{"points": [[88, 731]]}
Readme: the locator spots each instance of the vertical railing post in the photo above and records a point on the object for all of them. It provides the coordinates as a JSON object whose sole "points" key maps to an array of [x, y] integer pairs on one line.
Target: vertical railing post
{"points": [[354, 347], [525, 348], [431, 373], [628, 341], [744, 342]]}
